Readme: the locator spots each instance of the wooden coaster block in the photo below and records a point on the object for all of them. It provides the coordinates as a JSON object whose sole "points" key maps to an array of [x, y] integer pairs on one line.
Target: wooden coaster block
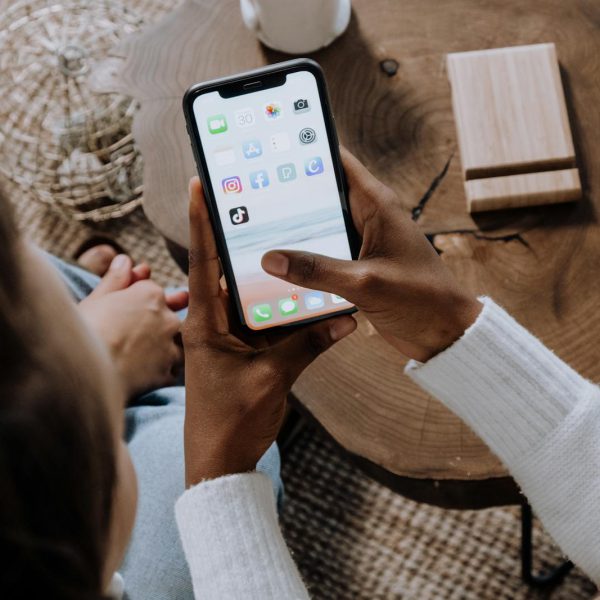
{"points": [[510, 191], [511, 120]]}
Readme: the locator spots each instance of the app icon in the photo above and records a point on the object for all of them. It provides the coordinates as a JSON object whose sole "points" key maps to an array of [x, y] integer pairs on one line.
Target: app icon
{"points": [[232, 185], [337, 299], [314, 300], [280, 142], [262, 312], [273, 111], [288, 306], [224, 156], [307, 135], [239, 215], [301, 105], [244, 117], [252, 148], [217, 124], [286, 172], [313, 166], [259, 179]]}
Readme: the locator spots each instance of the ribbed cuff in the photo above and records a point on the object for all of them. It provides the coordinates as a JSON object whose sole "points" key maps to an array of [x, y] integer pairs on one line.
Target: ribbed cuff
{"points": [[503, 382], [231, 538]]}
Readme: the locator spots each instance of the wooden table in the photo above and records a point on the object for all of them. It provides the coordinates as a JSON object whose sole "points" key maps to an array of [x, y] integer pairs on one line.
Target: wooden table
{"points": [[392, 104]]}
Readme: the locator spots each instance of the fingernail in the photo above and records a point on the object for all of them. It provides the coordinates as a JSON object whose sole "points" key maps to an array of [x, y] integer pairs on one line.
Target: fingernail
{"points": [[340, 328], [276, 264], [119, 262]]}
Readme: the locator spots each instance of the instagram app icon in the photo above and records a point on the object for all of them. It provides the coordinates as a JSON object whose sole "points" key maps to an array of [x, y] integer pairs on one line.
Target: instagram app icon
{"points": [[232, 185]]}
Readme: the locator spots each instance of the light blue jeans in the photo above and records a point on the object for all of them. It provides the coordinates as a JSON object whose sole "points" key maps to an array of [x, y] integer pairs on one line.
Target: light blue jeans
{"points": [[155, 566]]}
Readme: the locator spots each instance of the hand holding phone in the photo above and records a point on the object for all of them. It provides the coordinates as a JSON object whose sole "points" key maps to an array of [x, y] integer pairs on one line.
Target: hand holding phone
{"points": [[267, 153], [399, 282], [236, 383]]}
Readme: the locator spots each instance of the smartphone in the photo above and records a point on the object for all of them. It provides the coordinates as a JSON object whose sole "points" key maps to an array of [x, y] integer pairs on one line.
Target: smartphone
{"points": [[268, 157]]}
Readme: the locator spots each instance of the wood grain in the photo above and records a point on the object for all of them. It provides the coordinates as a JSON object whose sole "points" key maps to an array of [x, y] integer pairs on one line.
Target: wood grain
{"points": [[528, 189], [510, 111], [540, 263]]}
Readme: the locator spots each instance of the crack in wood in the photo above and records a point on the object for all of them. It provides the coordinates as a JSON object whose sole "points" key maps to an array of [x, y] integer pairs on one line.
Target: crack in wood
{"points": [[478, 235], [417, 211]]}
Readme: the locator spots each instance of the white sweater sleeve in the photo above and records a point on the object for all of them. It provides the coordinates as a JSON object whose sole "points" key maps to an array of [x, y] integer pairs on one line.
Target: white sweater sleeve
{"points": [[537, 415], [232, 541]]}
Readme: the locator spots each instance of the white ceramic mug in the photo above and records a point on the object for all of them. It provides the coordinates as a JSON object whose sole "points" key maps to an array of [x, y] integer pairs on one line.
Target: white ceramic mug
{"points": [[296, 26]]}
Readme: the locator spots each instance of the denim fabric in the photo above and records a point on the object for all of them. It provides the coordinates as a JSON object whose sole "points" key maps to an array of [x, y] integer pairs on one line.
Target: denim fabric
{"points": [[155, 567]]}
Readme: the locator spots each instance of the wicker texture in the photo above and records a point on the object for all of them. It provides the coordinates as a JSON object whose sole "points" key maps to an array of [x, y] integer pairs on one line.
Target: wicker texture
{"points": [[71, 148]]}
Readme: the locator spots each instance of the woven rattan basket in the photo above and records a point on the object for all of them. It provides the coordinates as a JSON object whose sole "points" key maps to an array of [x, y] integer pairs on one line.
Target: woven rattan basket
{"points": [[71, 148]]}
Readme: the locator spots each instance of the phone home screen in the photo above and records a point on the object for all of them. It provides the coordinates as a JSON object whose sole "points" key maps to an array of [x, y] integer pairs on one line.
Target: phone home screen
{"points": [[272, 176]]}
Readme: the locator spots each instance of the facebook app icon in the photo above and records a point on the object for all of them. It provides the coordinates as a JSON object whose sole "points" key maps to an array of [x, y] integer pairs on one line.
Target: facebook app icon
{"points": [[313, 166], [259, 179]]}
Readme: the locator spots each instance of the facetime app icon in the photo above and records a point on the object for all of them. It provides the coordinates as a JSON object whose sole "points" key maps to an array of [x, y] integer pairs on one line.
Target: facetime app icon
{"points": [[217, 124]]}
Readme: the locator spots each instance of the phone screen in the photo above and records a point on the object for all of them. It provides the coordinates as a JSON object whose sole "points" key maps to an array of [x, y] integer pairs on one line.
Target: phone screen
{"points": [[272, 175]]}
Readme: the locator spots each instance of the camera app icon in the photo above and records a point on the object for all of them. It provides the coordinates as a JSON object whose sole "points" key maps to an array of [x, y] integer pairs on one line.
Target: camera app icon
{"points": [[232, 185], [301, 105]]}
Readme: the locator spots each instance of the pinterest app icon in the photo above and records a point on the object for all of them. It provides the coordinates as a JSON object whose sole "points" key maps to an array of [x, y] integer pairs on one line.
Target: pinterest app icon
{"points": [[232, 185]]}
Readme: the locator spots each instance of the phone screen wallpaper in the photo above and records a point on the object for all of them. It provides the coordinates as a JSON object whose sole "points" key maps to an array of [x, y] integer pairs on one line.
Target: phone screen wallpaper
{"points": [[272, 175]]}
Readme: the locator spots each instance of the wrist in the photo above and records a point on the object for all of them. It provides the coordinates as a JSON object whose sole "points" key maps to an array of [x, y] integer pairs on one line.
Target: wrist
{"points": [[464, 312]]}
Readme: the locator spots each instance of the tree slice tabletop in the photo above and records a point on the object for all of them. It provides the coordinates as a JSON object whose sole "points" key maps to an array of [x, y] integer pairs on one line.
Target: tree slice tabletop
{"points": [[391, 99]]}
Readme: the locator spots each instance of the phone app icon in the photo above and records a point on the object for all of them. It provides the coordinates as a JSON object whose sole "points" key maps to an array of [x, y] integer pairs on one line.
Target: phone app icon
{"points": [[244, 117], [307, 135], [313, 166], [288, 306], [224, 156], [273, 111], [217, 124], [314, 300], [259, 179], [239, 215], [286, 172], [232, 185], [301, 105], [252, 148], [280, 142], [262, 312], [337, 299]]}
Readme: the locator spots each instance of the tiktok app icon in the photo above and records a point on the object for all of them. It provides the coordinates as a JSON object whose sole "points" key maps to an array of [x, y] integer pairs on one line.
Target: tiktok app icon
{"points": [[239, 215]]}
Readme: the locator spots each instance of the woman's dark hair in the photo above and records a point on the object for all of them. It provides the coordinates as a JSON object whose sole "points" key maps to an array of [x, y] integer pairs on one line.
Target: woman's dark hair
{"points": [[57, 457]]}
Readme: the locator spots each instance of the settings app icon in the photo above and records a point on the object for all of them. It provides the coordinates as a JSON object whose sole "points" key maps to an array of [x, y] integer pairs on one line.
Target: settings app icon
{"points": [[307, 135]]}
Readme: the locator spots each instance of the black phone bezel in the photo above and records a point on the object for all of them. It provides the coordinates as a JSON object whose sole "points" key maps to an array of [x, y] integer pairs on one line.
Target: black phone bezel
{"points": [[245, 83]]}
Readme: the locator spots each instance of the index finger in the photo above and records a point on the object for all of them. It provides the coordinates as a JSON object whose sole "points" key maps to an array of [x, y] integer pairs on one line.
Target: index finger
{"points": [[204, 269]]}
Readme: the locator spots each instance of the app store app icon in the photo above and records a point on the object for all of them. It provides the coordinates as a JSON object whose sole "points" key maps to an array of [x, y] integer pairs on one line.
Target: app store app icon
{"points": [[252, 148], [286, 172]]}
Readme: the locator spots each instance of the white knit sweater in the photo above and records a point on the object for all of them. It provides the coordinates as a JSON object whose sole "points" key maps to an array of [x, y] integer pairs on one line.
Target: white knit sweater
{"points": [[540, 417]]}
